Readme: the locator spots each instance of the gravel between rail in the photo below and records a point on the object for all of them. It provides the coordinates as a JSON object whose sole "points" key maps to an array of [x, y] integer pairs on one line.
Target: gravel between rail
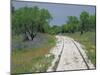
{"points": [[69, 55]]}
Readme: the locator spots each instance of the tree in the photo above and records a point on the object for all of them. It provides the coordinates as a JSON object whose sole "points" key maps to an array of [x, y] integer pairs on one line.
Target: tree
{"points": [[72, 24], [44, 19], [92, 22], [29, 21], [65, 28], [84, 21], [56, 29]]}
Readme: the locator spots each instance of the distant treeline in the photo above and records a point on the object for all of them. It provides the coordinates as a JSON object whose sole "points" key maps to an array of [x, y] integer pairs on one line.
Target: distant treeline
{"points": [[85, 23], [31, 20]]}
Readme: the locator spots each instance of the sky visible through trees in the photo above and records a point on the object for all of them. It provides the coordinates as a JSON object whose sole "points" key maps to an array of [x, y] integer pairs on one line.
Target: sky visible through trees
{"points": [[59, 12]]}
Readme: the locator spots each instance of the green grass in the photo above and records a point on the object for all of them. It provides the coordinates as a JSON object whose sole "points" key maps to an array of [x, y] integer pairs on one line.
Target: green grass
{"points": [[88, 40], [32, 60]]}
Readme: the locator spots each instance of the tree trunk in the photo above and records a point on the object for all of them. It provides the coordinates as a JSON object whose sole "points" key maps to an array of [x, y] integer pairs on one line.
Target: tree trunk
{"points": [[33, 35], [81, 32], [27, 36]]}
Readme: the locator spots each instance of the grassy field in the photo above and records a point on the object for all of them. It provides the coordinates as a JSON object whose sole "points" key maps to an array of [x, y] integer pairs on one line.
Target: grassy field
{"points": [[31, 56], [88, 40]]}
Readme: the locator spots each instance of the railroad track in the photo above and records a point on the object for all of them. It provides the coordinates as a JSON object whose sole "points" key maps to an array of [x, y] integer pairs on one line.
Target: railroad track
{"points": [[60, 55], [81, 56], [71, 57]]}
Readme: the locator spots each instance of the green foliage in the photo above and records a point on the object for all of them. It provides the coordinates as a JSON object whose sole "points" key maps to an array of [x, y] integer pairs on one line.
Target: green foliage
{"points": [[65, 28], [30, 21], [88, 40], [85, 23], [92, 22], [71, 25], [35, 59], [56, 29]]}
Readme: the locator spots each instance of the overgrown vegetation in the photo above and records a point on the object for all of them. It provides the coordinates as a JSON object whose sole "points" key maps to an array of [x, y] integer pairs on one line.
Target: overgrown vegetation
{"points": [[83, 30], [32, 58], [29, 21], [30, 41], [88, 39], [33, 36]]}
